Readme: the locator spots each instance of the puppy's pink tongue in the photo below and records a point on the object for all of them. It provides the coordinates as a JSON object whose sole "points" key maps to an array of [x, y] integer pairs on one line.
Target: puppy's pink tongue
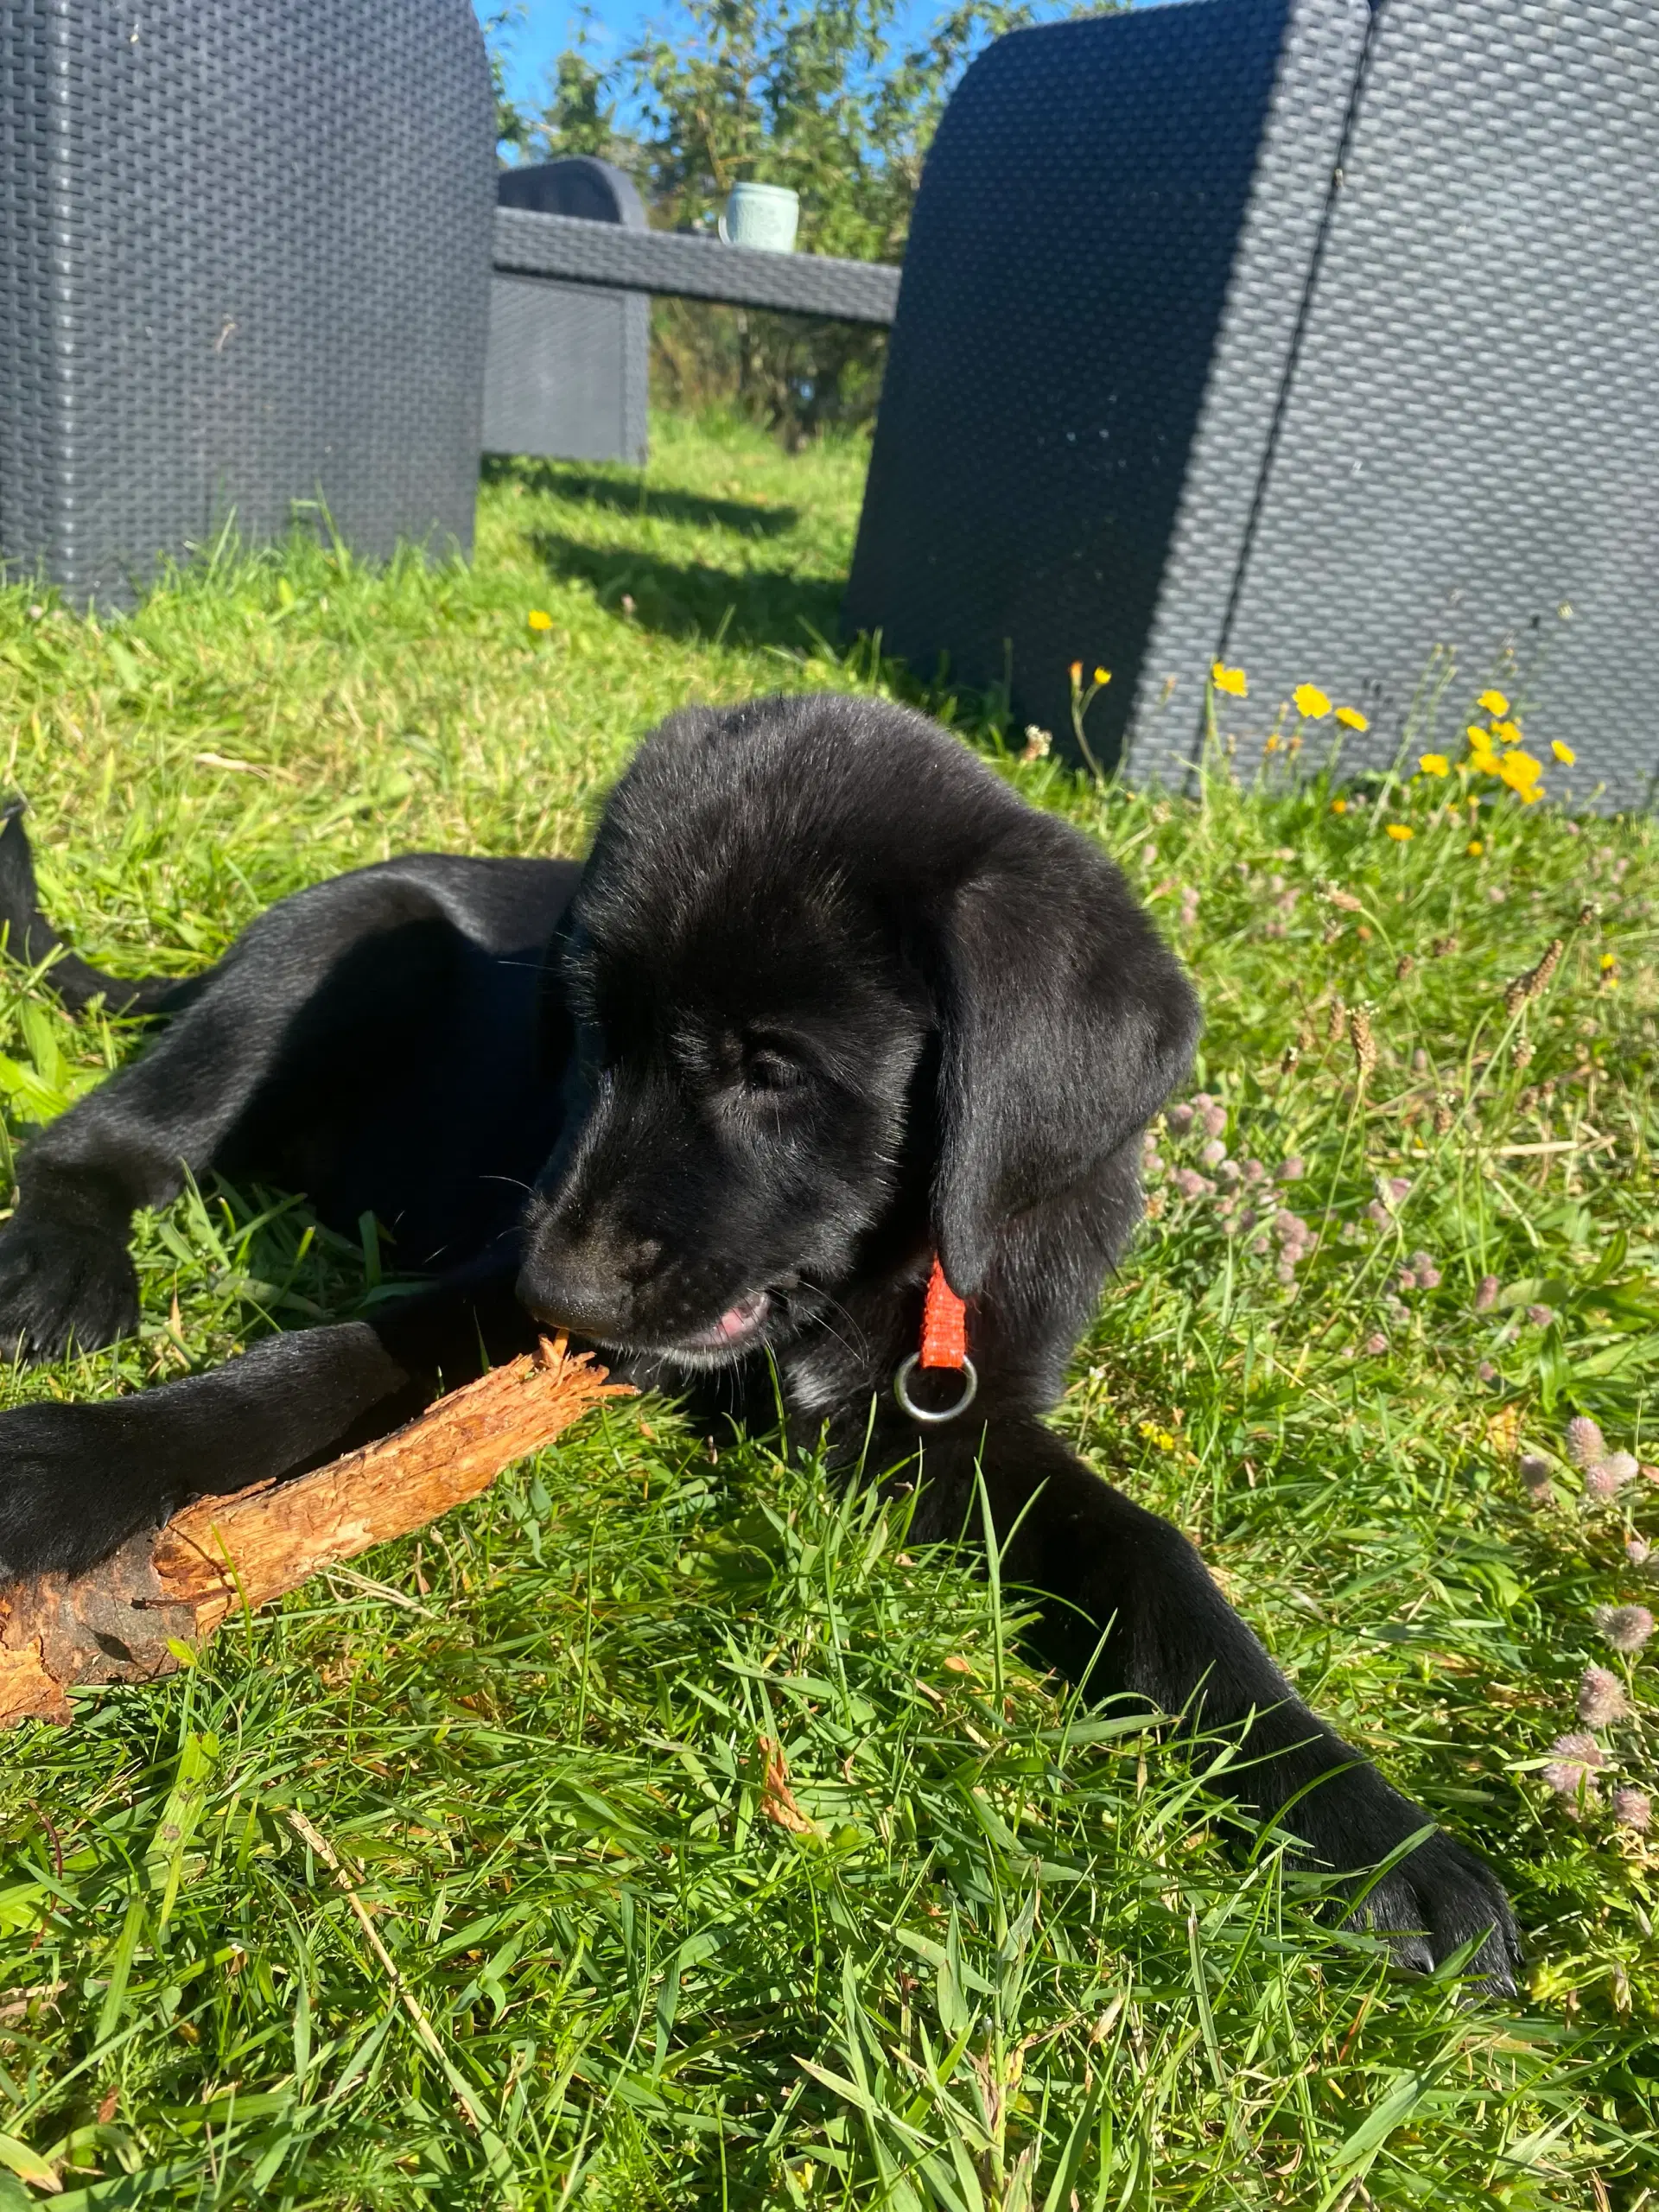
{"points": [[737, 1320]]}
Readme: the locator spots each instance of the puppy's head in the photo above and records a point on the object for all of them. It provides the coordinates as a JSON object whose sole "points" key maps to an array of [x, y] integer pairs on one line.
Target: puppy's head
{"points": [[839, 996]]}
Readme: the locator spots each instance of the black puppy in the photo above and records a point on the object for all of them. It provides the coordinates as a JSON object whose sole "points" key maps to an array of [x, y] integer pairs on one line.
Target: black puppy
{"points": [[826, 1001]]}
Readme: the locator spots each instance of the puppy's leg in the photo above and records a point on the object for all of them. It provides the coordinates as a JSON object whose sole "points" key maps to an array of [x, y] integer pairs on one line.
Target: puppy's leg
{"points": [[65, 1276], [77, 1480], [1133, 1611]]}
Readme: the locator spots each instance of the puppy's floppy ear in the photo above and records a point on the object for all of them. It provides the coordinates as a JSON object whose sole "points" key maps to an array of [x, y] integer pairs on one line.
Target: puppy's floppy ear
{"points": [[1064, 1023]]}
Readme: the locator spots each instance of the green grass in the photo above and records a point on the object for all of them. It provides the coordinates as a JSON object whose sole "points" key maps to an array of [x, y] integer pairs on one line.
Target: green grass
{"points": [[1014, 1965]]}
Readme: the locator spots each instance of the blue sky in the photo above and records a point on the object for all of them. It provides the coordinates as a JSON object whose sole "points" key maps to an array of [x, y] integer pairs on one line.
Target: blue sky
{"points": [[548, 25]]}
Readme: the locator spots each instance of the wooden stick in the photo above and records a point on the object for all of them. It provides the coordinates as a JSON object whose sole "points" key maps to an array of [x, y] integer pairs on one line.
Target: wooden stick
{"points": [[127, 1619]]}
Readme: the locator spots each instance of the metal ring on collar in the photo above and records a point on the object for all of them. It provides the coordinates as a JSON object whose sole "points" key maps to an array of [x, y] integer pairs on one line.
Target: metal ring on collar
{"points": [[901, 1391]]}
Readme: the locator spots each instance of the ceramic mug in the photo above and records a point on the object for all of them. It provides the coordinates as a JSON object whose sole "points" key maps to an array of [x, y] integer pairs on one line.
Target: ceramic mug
{"points": [[764, 215]]}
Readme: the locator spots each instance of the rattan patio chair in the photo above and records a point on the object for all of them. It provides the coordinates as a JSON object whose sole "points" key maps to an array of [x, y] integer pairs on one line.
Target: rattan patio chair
{"points": [[244, 261], [568, 363], [1306, 335]]}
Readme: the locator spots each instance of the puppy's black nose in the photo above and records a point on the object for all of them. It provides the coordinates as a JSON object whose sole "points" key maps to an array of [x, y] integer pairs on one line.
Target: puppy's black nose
{"points": [[587, 1281]]}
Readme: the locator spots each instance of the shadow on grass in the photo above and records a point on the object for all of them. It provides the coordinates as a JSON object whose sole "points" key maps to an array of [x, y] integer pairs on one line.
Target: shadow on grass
{"points": [[745, 607], [631, 496]]}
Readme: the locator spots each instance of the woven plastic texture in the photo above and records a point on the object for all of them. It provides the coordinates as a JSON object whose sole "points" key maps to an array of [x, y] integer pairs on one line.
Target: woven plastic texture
{"points": [[568, 363], [531, 244], [244, 266], [1349, 373]]}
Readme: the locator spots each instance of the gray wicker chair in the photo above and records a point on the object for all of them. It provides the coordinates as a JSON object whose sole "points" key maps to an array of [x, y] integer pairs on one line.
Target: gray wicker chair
{"points": [[568, 363], [1299, 333], [245, 257]]}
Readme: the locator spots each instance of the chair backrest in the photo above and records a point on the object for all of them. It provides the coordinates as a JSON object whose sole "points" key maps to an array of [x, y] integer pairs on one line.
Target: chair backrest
{"points": [[1317, 337], [243, 265], [568, 364]]}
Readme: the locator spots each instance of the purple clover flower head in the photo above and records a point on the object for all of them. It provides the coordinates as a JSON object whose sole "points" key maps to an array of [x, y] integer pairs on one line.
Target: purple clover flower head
{"points": [[1426, 1274], [1228, 1172], [1601, 1698], [1179, 1119], [1486, 1292], [1571, 1772], [1260, 1246], [1398, 1188], [1406, 1281], [1639, 1551], [1608, 1477], [1624, 1628], [1292, 1169], [1285, 1269], [1190, 1184], [1375, 1345], [1215, 1121], [1486, 1371], [1255, 1172], [1534, 1473], [1378, 1212], [1214, 1152], [1632, 1808], [1541, 1316], [1584, 1442]]}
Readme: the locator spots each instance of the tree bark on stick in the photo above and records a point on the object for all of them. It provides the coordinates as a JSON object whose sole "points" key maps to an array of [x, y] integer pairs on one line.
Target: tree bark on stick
{"points": [[174, 1586]]}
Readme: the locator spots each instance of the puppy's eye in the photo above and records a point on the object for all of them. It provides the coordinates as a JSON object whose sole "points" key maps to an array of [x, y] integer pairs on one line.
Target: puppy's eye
{"points": [[766, 1070]]}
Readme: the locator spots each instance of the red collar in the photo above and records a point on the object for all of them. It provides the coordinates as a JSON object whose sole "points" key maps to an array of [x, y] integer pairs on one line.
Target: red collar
{"points": [[944, 1324]]}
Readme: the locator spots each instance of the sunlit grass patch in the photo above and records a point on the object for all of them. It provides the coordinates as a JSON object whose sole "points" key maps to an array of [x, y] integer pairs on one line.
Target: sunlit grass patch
{"points": [[728, 1849]]}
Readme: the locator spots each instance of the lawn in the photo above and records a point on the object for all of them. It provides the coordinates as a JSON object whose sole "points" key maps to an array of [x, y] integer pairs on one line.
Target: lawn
{"points": [[1005, 1957]]}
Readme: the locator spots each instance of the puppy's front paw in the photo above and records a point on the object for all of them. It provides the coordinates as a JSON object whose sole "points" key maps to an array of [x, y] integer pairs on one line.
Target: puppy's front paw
{"points": [[63, 1288], [73, 1487], [1434, 1902]]}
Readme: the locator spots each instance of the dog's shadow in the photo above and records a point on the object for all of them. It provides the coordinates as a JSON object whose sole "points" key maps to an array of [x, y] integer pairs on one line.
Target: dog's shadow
{"points": [[740, 606]]}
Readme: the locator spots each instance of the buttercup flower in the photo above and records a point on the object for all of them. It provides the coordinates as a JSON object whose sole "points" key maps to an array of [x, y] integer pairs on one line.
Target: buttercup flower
{"points": [[1509, 732], [1338, 806], [1564, 753], [539, 619], [1520, 772], [1310, 703], [1400, 832], [1233, 681], [1474, 849], [1493, 703], [1601, 1698], [1350, 718], [1103, 675], [1434, 764]]}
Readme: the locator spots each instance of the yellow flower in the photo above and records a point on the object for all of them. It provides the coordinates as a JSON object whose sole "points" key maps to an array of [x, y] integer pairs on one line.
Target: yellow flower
{"points": [[1075, 673], [1493, 703], [1474, 849], [540, 619], [1520, 772], [1509, 732], [1103, 675], [1400, 832], [1608, 961], [1233, 681], [1311, 703], [1435, 764], [1272, 745], [1338, 806], [1564, 753], [1350, 718]]}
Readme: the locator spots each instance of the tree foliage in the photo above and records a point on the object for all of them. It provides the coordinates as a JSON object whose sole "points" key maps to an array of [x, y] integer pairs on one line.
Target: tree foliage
{"points": [[819, 95]]}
